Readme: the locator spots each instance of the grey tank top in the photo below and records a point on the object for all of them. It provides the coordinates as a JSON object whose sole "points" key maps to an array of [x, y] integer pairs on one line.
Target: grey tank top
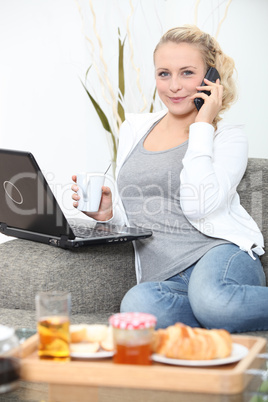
{"points": [[149, 186]]}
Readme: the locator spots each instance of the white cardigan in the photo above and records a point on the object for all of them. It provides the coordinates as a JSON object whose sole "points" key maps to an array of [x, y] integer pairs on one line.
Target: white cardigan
{"points": [[213, 166]]}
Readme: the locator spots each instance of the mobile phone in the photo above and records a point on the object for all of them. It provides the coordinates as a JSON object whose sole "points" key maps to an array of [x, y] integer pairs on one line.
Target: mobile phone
{"points": [[212, 75]]}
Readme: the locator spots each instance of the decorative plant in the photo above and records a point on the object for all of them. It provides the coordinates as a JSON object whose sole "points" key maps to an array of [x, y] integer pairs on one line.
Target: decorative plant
{"points": [[119, 114]]}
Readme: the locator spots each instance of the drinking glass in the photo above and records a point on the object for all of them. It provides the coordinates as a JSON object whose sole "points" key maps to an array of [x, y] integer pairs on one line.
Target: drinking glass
{"points": [[53, 324]]}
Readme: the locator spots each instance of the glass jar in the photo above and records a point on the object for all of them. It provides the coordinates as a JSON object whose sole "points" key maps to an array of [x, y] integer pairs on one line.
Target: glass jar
{"points": [[133, 337], [9, 359]]}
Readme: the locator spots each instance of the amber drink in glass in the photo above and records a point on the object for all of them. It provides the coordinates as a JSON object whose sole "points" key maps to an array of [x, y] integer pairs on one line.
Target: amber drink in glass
{"points": [[53, 324]]}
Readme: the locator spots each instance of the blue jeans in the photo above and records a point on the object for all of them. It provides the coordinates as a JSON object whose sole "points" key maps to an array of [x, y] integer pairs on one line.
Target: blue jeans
{"points": [[226, 288]]}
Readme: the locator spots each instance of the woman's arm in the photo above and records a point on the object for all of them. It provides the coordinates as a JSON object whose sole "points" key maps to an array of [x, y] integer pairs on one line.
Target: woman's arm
{"points": [[111, 209], [212, 168]]}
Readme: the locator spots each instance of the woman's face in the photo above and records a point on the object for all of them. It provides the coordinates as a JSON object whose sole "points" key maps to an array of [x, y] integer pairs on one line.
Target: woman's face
{"points": [[179, 69]]}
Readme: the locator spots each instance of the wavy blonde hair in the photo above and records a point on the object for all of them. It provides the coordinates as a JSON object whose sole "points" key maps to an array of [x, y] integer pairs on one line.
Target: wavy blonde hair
{"points": [[212, 56]]}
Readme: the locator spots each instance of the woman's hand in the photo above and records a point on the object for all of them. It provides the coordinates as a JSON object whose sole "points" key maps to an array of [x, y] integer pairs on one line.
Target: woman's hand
{"points": [[105, 211], [212, 104]]}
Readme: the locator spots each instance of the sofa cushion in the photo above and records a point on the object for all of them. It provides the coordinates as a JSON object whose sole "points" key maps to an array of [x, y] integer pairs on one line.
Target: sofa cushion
{"points": [[253, 192], [97, 276], [27, 318]]}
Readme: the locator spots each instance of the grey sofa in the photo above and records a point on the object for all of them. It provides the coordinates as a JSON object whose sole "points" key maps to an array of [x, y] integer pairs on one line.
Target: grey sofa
{"points": [[97, 276]]}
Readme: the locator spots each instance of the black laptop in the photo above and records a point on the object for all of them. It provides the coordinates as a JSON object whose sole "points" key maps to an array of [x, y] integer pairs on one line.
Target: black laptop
{"points": [[29, 210]]}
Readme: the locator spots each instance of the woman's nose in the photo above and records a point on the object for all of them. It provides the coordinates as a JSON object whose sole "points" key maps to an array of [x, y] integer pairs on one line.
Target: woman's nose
{"points": [[175, 84]]}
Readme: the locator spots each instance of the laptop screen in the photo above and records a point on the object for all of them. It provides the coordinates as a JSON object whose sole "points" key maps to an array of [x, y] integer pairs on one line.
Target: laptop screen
{"points": [[26, 200]]}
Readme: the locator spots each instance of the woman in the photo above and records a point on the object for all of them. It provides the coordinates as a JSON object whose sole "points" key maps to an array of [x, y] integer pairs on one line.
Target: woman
{"points": [[177, 173]]}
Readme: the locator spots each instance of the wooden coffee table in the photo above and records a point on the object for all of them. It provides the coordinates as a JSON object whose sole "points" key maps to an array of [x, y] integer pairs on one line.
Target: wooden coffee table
{"points": [[104, 381], [41, 392]]}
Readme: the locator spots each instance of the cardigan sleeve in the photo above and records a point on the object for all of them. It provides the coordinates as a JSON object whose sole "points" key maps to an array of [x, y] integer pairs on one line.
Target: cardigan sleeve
{"points": [[213, 166]]}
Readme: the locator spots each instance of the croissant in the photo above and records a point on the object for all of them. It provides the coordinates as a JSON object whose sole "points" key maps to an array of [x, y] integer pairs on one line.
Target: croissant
{"points": [[180, 341]]}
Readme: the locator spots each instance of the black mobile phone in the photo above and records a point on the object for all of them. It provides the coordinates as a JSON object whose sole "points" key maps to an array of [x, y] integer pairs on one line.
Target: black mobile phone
{"points": [[212, 75]]}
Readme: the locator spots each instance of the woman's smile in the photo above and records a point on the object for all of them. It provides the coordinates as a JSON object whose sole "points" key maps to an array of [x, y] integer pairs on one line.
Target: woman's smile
{"points": [[177, 99]]}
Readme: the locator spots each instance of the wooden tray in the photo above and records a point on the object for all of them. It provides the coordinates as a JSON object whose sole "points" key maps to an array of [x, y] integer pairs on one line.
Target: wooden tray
{"points": [[227, 379]]}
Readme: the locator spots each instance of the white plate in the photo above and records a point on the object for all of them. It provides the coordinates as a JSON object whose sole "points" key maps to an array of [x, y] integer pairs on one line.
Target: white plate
{"points": [[102, 354], [238, 353]]}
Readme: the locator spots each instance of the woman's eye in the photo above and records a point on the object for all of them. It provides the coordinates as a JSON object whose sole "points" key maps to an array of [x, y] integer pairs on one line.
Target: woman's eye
{"points": [[187, 72], [163, 74]]}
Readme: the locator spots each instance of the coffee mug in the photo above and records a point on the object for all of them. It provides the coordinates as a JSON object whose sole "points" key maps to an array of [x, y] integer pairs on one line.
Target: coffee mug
{"points": [[89, 191]]}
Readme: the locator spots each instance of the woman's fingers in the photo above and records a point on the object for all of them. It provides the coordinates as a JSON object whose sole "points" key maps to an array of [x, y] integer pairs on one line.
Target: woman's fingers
{"points": [[75, 196], [217, 83], [215, 89], [212, 103], [105, 210], [106, 190], [74, 187]]}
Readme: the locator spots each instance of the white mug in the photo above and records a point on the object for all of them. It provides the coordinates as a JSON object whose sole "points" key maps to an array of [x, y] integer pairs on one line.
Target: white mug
{"points": [[89, 191]]}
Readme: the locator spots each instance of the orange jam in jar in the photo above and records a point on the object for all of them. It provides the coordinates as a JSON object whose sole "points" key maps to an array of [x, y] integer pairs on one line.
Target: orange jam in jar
{"points": [[132, 337]]}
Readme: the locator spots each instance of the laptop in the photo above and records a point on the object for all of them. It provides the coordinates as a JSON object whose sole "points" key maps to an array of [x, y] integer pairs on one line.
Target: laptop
{"points": [[29, 210]]}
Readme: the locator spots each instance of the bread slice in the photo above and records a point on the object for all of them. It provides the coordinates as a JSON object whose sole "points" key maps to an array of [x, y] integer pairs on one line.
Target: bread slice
{"points": [[108, 342], [78, 333], [84, 347], [96, 332], [88, 338]]}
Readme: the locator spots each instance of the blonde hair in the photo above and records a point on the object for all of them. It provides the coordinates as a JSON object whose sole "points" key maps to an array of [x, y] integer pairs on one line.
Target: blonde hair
{"points": [[212, 56]]}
